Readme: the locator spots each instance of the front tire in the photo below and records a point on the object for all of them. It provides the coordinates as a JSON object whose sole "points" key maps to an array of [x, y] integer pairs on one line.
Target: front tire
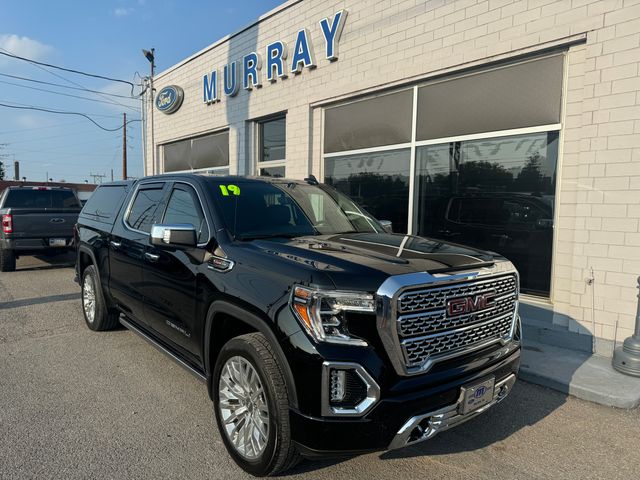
{"points": [[252, 406], [96, 314], [7, 260]]}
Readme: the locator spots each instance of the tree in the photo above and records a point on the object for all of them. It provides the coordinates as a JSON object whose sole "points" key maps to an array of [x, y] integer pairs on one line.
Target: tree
{"points": [[1, 170]]}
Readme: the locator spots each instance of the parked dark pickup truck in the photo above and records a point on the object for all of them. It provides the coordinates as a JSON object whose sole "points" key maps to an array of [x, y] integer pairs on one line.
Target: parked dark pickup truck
{"points": [[316, 332], [36, 220]]}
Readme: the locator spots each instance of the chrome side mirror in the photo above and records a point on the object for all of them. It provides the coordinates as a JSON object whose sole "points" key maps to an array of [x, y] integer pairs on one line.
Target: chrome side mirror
{"points": [[179, 235], [387, 226]]}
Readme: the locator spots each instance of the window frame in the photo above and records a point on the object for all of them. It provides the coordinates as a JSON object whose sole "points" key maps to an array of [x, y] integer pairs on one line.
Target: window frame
{"points": [[259, 149]]}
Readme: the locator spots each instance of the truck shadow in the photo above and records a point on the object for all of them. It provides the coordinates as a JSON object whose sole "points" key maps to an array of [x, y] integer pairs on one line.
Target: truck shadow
{"points": [[41, 262]]}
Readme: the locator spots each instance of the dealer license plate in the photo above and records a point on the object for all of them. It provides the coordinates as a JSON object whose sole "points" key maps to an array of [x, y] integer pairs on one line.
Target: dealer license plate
{"points": [[57, 242], [477, 395]]}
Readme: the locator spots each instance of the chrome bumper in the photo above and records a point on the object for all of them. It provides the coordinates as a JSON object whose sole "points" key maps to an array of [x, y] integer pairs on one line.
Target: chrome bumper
{"points": [[423, 427]]}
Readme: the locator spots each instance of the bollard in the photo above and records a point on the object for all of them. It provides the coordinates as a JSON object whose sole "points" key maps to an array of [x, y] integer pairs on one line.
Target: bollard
{"points": [[626, 359]]}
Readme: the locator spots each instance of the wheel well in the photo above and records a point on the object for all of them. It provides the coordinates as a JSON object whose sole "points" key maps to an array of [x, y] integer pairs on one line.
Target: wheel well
{"points": [[224, 327], [84, 262]]}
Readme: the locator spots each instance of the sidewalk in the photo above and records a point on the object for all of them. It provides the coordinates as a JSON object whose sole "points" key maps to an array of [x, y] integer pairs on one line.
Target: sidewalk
{"points": [[586, 376]]}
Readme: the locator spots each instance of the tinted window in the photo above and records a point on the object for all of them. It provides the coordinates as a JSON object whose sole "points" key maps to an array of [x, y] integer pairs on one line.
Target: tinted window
{"points": [[25, 198], [183, 207], [384, 120], [378, 181], [105, 203], [195, 153], [143, 208], [273, 136], [494, 194]]}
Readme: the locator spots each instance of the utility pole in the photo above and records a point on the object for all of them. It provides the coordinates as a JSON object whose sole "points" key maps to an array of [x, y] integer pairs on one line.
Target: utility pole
{"points": [[97, 177], [112, 174], [124, 147]]}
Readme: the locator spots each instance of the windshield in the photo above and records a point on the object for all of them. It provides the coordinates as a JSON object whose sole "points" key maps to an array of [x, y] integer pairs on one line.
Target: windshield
{"points": [[261, 210]]}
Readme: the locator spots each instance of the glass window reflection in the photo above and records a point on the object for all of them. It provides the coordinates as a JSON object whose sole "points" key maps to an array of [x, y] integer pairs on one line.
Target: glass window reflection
{"points": [[495, 194]]}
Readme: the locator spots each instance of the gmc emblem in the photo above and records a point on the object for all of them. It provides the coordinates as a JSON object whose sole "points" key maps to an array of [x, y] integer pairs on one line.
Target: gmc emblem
{"points": [[460, 306]]}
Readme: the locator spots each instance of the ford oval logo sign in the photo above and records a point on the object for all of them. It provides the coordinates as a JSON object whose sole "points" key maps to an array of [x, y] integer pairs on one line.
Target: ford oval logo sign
{"points": [[169, 99]]}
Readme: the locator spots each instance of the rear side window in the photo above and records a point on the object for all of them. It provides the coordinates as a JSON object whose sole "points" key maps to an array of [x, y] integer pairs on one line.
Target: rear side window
{"points": [[26, 198], [143, 208], [104, 204]]}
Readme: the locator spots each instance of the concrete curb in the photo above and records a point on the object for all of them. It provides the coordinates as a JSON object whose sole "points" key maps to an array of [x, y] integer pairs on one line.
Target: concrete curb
{"points": [[586, 376]]}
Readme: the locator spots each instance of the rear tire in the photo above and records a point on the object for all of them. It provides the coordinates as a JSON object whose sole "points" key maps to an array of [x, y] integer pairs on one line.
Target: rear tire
{"points": [[259, 377], [96, 314], [7, 260]]}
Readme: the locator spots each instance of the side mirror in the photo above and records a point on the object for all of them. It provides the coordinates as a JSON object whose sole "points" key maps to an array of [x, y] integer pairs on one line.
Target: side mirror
{"points": [[179, 235], [387, 226]]}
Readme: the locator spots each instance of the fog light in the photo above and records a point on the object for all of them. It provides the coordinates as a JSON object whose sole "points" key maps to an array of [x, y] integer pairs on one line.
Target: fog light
{"points": [[338, 390]]}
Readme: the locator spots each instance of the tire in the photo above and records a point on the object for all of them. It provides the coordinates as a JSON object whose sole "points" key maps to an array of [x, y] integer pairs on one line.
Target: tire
{"points": [[278, 453], [7, 260], [96, 314]]}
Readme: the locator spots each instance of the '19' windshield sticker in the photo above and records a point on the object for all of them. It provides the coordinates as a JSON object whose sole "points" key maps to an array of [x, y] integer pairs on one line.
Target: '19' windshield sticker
{"points": [[234, 189]]}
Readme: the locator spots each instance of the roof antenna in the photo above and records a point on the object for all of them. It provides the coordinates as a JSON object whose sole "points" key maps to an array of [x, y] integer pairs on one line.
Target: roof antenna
{"points": [[311, 180]]}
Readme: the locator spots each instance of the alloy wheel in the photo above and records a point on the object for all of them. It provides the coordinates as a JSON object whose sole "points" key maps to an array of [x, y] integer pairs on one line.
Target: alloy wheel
{"points": [[89, 299], [243, 407]]}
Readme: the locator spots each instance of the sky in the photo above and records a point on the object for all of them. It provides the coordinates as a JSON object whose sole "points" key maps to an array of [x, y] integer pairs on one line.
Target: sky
{"points": [[102, 37]]}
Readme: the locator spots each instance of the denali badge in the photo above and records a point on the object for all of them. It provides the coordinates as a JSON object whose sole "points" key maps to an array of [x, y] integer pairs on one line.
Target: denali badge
{"points": [[460, 306]]}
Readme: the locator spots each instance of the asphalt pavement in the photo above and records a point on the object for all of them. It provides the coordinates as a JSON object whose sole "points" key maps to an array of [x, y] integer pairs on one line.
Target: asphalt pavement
{"points": [[75, 404]]}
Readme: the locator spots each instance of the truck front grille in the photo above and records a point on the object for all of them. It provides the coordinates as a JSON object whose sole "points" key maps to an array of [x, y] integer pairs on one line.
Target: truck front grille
{"points": [[447, 321]]}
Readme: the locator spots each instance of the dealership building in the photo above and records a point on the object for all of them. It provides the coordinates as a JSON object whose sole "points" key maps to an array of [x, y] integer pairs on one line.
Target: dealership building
{"points": [[512, 126]]}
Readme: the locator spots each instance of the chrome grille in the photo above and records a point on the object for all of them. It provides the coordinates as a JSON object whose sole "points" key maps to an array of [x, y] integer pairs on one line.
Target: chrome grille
{"points": [[426, 299], [416, 350], [426, 331]]}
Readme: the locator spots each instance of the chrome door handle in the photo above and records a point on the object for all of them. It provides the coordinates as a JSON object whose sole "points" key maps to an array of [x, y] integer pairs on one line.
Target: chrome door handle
{"points": [[115, 244], [153, 257]]}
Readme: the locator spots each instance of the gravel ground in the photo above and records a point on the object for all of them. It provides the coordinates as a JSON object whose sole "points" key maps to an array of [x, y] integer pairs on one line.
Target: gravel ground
{"points": [[78, 404]]}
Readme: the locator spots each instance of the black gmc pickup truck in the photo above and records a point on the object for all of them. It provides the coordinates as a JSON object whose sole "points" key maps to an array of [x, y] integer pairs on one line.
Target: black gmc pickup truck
{"points": [[315, 330]]}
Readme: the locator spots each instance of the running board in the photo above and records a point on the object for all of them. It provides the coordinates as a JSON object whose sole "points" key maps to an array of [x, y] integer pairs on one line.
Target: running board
{"points": [[164, 350]]}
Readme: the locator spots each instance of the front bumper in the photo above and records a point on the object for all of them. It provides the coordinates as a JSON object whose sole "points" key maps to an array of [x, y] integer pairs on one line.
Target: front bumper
{"points": [[392, 423]]}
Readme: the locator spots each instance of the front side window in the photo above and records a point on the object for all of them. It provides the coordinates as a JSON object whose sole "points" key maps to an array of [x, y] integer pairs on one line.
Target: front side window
{"points": [[143, 208], [496, 194], [183, 207]]}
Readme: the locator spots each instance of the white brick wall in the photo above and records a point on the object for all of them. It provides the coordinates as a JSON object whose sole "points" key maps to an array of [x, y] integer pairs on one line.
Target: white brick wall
{"points": [[388, 42]]}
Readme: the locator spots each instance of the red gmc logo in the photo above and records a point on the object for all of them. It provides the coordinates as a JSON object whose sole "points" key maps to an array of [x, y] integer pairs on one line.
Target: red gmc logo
{"points": [[460, 306]]}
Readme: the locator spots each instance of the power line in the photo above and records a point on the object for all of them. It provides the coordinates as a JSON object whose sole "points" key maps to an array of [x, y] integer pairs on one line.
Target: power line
{"points": [[38, 65], [79, 72], [64, 112], [42, 82], [108, 102]]}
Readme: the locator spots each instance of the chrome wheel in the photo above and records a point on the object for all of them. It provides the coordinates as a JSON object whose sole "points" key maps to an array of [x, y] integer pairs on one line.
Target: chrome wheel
{"points": [[243, 407], [89, 298]]}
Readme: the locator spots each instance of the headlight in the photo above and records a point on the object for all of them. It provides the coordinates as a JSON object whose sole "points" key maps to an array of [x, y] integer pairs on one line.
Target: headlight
{"points": [[321, 313]]}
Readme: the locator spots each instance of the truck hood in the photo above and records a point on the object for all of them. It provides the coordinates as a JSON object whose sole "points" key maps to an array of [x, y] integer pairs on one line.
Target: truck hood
{"points": [[362, 261]]}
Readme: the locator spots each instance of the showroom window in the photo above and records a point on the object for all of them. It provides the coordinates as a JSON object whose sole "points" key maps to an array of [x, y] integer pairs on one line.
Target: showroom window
{"points": [[379, 182], [208, 153], [272, 141], [468, 158], [494, 194]]}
